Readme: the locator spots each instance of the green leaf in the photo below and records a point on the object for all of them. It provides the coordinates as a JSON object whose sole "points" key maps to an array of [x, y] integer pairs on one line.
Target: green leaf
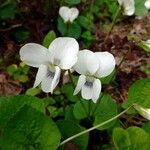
{"points": [[69, 128], [9, 106], [140, 9], [121, 139], [79, 111], [30, 129], [50, 36], [21, 35], [146, 127], [74, 30], [62, 27], [139, 93], [84, 22], [33, 91], [72, 2], [8, 10], [68, 90], [132, 138], [106, 110]]}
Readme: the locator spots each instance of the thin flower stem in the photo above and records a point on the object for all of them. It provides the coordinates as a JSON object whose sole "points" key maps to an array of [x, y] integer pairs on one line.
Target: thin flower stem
{"points": [[73, 85], [113, 23], [95, 127]]}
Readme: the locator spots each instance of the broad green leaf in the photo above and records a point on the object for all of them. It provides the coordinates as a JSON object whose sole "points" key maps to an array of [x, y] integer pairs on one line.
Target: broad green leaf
{"points": [[106, 110], [121, 139], [84, 22], [80, 109], [70, 128], [68, 90], [139, 93], [29, 129], [146, 127], [74, 30], [33, 91], [140, 9], [132, 138], [9, 106], [50, 36], [8, 10], [72, 2], [62, 27]]}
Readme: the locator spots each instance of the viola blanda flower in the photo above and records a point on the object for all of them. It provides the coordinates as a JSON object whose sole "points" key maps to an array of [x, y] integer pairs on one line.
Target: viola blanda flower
{"points": [[145, 112], [128, 6], [68, 14], [147, 4], [92, 66], [61, 54]]}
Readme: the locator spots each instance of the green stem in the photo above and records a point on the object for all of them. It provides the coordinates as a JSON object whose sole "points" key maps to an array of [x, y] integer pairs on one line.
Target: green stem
{"points": [[95, 127], [73, 85], [113, 23]]}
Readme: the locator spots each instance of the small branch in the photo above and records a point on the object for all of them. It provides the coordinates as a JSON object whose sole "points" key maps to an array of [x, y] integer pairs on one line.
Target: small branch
{"points": [[10, 28], [95, 127]]}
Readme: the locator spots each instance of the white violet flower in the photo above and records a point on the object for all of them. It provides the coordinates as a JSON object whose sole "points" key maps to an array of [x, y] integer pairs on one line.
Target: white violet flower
{"points": [[145, 112], [128, 6], [92, 66], [68, 14], [147, 4], [61, 54]]}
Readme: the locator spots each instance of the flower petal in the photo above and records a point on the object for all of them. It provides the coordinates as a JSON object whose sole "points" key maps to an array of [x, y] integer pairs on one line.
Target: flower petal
{"points": [[63, 52], [96, 90], [56, 79], [128, 5], [106, 64], [147, 4], [87, 63], [41, 74], [81, 81], [34, 54], [74, 12], [64, 12]]}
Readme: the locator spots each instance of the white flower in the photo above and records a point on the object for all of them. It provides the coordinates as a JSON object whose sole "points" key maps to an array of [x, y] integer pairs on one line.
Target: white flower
{"points": [[68, 14], [92, 66], [145, 112], [61, 54], [128, 6], [147, 4]]}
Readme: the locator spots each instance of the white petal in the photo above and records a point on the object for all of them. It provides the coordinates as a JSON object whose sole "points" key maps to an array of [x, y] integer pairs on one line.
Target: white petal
{"points": [[128, 6], [96, 90], [34, 54], [80, 84], [106, 64], [129, 11], [64, 12], [87, 63], [74, 12], [147, 4], [63, 52], [41, 74], [145, 112], [51, 80], [56, 79], [87, 92]]}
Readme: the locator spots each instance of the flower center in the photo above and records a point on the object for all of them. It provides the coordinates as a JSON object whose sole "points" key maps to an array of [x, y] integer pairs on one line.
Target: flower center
{"points": [[88, 84]]}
